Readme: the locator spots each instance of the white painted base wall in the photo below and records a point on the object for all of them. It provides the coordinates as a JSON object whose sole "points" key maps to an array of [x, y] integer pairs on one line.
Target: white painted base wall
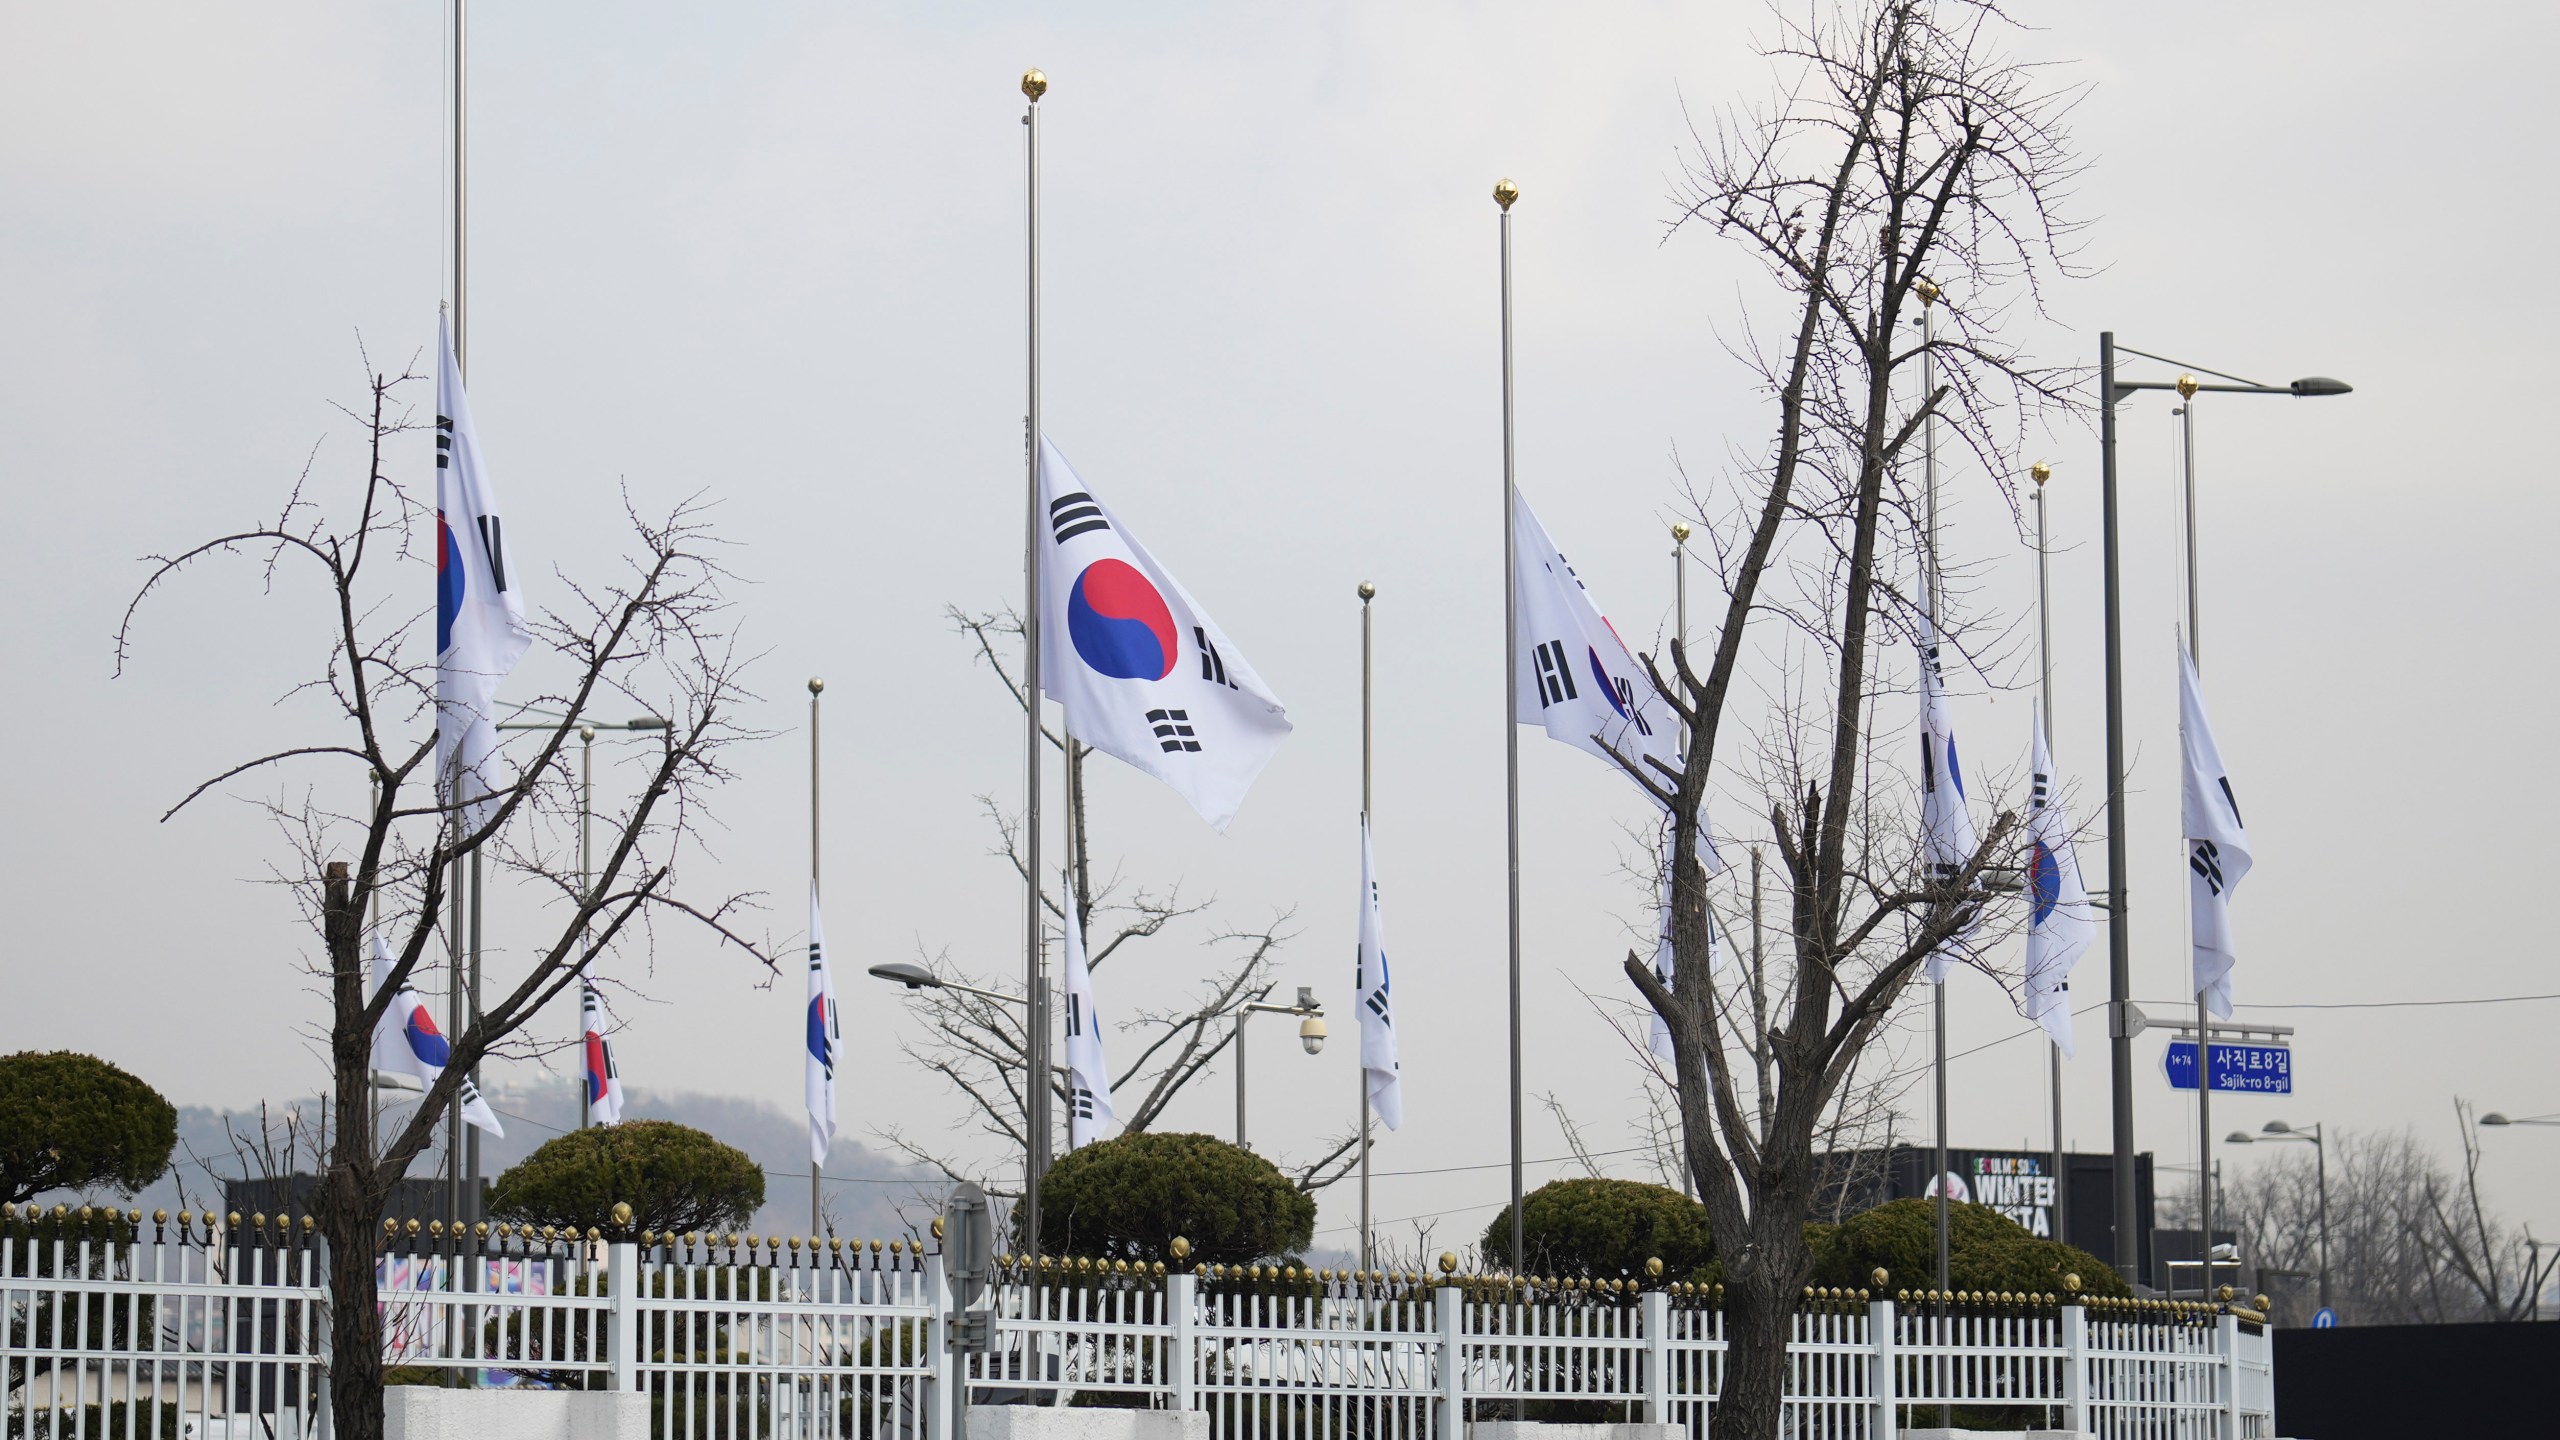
{"points": [[1039, 1422], [431, 1412]]}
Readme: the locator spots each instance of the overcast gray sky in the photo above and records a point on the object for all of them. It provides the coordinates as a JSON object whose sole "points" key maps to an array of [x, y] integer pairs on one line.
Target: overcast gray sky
{"points": [[773, 253]]}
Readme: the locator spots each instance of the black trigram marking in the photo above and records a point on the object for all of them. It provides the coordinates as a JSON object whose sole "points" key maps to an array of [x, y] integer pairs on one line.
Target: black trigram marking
{"points": [[1627, 703], [444, 442], [1082, 1100], [1075, 1015], [1928, 764], [1073, 515], [1377, 1003], [1555, 675], [1173, 730], [817, 956], [493, 543], [1213, 667], [2206, 861], [2231, 800], [2040, 791]]}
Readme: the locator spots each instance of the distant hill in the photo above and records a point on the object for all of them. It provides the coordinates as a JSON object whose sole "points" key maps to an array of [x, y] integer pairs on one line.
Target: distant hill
{"points": [[865, 1191]]}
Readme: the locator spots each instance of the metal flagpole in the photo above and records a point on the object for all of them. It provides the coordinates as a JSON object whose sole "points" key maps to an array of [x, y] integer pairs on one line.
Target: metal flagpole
{"points": [[1368, 592], [2187, 386], [1035, 1087], [1504, 194], [586, 893], [453, 1153], [2040, 472], [817, 1224], [1929, 472]]}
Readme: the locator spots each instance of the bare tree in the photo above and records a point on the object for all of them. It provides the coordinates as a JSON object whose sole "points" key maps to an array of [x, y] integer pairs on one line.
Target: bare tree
{"points": [[2410, 1243], [652, 635], [977, 1045], [1909, 158]]}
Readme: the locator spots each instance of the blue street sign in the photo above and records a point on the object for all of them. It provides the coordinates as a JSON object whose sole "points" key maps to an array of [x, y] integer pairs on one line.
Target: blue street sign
{"points": [[2237, 1068], [2325, 1319]]}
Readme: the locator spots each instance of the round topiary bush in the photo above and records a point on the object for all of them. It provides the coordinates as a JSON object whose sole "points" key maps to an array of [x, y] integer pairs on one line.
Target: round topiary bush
{"points": [[74, 1122], [1127, 1198], [674, 1177], [1986, 1250], [1604, 1228]]}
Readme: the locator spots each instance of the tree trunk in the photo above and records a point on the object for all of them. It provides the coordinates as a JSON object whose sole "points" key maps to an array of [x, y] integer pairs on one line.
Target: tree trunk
{"points": [[355, 1322], [1760, 1308]]}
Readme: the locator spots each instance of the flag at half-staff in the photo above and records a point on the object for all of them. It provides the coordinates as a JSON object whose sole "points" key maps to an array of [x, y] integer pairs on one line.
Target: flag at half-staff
{"points": [[480, 625], [1088, 1076], [1578, 680], [1947, 839], [2059, 923], [407, 1042], [2218, 855], [604, 1078], [1382, 1071], [1144, 674], [824, 1036]]}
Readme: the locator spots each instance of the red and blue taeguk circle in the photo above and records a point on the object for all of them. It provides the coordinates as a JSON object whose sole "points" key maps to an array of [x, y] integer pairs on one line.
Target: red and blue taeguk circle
{"points": [[1119, 624], [448, 584], [2044, 882], [424, 1041]]}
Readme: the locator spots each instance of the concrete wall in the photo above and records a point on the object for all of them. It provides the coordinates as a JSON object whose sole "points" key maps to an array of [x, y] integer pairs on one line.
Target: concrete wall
{"points": [[431, 1412]]}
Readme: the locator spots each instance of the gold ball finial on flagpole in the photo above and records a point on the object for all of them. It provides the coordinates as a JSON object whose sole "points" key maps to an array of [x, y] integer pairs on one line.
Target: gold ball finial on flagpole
{"points": [[1504, 192], [1927, 290], [2040, 472], [1368, 592], [816, 684], [2188, 385], [1680, 531], [1034, 84]]}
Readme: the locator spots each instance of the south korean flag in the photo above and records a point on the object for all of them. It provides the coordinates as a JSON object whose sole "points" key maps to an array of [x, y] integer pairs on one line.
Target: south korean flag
{"points": [[1144, 675], [2218, 857], [1578, 680], [1947, 840], [1088, 1075], [407, 1042], [481, 630], [1381, 1069]]}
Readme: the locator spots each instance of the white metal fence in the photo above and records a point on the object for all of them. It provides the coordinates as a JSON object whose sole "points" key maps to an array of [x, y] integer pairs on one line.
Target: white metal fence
{"points": [[121, 1328]]}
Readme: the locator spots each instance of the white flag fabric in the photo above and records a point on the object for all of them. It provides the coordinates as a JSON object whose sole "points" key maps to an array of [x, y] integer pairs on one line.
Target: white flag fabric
{"points": [[1946, 822], [1088, 1076], [1663, 966], [604, 1078], [1144, 674], [1381, 1071], [480, 626], [2218, 855], [1578, 680], [825, 1034], [2059, 923], [407, 1042]]}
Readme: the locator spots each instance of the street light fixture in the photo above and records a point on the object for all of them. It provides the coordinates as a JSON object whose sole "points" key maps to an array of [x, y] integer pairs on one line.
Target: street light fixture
{"points": [[1311, 1035], [2310, 1135], [916, 977], [2494, 1118], [2128, 1242]]}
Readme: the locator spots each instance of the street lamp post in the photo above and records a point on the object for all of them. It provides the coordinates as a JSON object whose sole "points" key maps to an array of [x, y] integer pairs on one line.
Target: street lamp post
{"points": [[2533, 1248], [2120, 1029], [2310, 1135], [1310, 1034]]}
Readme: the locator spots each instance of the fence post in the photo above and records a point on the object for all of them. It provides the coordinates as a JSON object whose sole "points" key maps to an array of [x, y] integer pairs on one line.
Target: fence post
{"points": [[1657, 1357], [2226, 1369], [2075, 1367], [1887, 1423], [1180, 1288], [323, 1316], [1453, 1364], [622, 1283], [933, 1344]]}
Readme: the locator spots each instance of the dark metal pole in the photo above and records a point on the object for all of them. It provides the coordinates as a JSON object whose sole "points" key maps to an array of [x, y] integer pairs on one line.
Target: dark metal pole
{"points": [[1504, 194], [1035, 1078], [2320, 1150], [2128, 1240]]}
